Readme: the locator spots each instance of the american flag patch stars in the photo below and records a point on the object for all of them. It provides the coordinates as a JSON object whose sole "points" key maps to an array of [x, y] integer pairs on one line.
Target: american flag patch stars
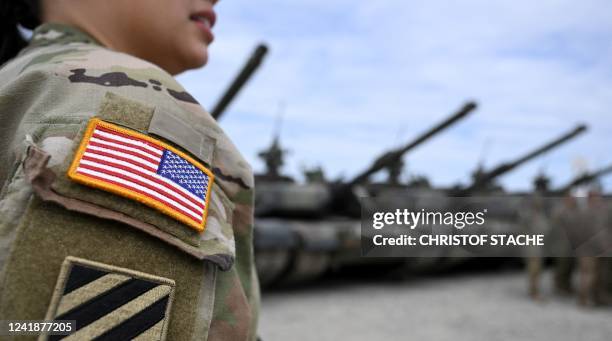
{"points": [[139, 167]]}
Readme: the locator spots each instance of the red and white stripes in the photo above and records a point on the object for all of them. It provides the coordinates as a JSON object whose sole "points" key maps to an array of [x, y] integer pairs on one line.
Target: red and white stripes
{"points": [[132, 163]]}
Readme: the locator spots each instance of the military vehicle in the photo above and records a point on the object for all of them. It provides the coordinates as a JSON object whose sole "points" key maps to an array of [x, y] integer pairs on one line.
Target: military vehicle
{"points": [[300, 226], [305, 229]]}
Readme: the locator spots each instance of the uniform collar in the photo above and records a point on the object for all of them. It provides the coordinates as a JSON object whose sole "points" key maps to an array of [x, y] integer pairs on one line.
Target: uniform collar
{"points": [[52, 33]]}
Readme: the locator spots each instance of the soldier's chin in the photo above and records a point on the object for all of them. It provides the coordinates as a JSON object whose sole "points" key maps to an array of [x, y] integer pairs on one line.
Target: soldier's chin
{"points": [[192, 61], [204, 60], [200, 58]]}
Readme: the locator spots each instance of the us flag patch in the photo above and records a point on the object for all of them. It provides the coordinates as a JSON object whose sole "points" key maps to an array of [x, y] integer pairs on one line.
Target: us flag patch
{"points": [[139, 167], [110, 303]]}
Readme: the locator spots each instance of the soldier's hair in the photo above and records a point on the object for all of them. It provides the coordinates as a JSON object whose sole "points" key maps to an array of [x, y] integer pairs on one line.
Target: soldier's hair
{"points": [[13, 13]]}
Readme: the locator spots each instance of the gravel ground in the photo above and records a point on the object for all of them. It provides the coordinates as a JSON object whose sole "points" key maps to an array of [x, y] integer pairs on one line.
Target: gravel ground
{"points": [[491, 306]]}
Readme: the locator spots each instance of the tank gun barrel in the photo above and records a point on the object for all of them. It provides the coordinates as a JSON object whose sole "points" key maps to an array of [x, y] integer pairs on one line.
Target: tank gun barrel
{"points": [[390, 157], [585, 178], [486, 178], [245, 74]]}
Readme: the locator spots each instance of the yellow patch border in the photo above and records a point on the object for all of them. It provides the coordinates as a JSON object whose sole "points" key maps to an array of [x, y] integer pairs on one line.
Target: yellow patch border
{"points": [[127, 193]]}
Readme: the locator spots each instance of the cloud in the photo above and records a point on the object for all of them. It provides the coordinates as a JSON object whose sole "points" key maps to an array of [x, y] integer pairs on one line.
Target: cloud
{"points": [[355, 74]]}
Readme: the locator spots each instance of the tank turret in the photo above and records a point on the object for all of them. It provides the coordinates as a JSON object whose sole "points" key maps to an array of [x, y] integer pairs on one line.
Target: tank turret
{"points": [[584, 178], [274, 158], [485, 178], [344, 199], [391, 158]]}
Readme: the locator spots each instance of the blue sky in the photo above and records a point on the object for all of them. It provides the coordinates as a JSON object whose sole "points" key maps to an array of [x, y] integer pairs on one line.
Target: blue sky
{"points": [[358, 77]]}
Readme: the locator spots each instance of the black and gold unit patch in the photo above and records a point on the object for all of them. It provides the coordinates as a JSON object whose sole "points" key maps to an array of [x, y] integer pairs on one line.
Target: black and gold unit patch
{"points": [[110, 303]]}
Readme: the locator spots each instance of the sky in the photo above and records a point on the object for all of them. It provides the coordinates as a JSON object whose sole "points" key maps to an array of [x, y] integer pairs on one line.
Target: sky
{"points": [[354, 78]]}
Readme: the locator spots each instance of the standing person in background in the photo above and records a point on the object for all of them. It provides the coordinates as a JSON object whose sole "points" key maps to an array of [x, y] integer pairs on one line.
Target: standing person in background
{"points": [[536, 221], [565, 219], [590, 290], [125, 207]]}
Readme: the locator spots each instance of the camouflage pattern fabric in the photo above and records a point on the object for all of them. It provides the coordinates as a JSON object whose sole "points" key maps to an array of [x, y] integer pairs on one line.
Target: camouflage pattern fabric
{"points": [[47, 95]]}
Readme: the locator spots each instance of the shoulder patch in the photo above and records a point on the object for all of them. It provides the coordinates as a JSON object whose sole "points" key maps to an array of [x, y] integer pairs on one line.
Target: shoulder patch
{"points": [[136, 166], [110, 303]]}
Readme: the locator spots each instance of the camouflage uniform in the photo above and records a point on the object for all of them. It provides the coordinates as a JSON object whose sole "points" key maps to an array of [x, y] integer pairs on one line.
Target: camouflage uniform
{"points": [[595, 221], [536, 222], [566, 219], [65, 247]]}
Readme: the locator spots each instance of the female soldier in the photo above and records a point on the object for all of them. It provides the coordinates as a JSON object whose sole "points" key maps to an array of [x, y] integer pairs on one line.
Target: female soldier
{"points": [[124, 207]]}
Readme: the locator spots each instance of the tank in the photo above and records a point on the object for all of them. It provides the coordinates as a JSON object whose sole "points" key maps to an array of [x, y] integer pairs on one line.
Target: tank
{"points": [[281, 196], [318, 220]]}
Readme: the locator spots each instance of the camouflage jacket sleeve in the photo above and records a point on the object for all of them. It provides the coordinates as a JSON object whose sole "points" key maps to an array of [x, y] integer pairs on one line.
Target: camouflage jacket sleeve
{"points": [[51, 227]]}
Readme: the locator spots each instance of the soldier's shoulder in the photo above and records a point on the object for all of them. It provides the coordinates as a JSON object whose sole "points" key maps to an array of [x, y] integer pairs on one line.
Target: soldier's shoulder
{"points": [[77, 60]]}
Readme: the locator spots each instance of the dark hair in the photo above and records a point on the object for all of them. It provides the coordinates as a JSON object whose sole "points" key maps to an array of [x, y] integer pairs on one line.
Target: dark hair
{"points": [[13, 13]]}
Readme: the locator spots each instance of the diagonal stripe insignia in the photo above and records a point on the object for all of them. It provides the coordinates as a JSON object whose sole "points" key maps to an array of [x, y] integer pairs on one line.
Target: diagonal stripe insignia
{"points": [[110, 303], [136, 166]]}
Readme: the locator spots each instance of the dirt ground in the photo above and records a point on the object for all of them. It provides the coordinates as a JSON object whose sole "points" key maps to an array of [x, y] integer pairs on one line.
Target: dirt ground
{"points": [[474, 307]]}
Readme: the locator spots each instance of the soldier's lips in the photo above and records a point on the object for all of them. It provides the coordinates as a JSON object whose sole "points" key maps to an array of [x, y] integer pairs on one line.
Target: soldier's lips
{"points": [[205, 20]]}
